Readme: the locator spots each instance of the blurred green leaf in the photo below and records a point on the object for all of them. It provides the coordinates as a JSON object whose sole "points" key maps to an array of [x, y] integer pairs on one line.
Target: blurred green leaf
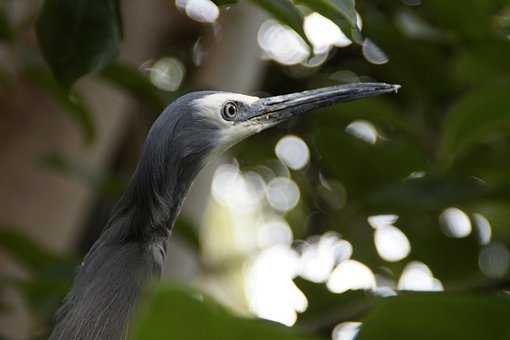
{"points": [[78, 37], [132, 80], [438, 316], [286, 12], [477, 117], [425, 194], [50, 274], [326, 309], [185, 229], [25, 251], [6, 33], [100, 181], [225, 2], [72, 104], [341, 12], [175, 313]]}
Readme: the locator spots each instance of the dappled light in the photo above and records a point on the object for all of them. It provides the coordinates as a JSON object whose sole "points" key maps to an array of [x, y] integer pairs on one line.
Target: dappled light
{"points": [[494, 260], [374, 53], [282, 43], [282, 193], [271, 293], [324, 33], [363, 130], [455, 223], [167, 73], [293, 151], [391, 243], [204, 11], [346, 330], [319, 255], [418, 277], [351, 275], [483, 228], [254, 169]]}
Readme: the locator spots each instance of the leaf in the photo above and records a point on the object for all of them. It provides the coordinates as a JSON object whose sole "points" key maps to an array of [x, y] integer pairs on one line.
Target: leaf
{"points": [[477, 117], [78, 37], [185, 229], [73, 104], [225, 2], [426, 194], [176, 313], [6, 33], [326, 309], [438, 316], [103, 182], [341, 12], [25, 251], [132, 80], [286, 12]]}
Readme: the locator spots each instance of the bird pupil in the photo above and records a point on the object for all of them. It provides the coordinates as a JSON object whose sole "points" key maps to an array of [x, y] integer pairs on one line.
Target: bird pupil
{"points": [[231, 110]]}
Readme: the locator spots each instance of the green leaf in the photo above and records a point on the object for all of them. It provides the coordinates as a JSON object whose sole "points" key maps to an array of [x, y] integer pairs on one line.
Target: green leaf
{"points": [[476, 118], [176, 313], [326, 309], [130, 79], [341, 12], [6, 33], [78, 37], [286, 12], [25, 251], [438, 316], [225, 2], [72, 103], [103, 182], [185, 229], [426, 194]]}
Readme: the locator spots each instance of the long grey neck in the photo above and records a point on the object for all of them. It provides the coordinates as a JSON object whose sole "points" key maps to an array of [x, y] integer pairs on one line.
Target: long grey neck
{"points": [[130, 251]]}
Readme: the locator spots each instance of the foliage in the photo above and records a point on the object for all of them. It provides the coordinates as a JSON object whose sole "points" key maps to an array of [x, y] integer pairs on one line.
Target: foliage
{"points": [[450, 123]]}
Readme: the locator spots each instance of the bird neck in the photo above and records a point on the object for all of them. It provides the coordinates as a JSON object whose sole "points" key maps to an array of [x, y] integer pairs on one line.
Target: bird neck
{"points": [[157, 190]]}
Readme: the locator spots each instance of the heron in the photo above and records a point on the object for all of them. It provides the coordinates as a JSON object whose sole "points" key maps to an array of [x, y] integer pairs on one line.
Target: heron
{"points": [[132, 248]]}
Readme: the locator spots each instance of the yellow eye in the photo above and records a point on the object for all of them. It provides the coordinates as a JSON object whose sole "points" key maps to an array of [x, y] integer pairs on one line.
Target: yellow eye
{"points": [[229, 111]]}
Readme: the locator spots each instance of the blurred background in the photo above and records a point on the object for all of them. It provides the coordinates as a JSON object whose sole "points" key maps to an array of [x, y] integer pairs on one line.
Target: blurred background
{"points": [[387, 218]]}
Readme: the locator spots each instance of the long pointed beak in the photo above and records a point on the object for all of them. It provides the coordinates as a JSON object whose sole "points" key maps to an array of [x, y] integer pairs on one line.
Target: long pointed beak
{"points": [[271, 110]]}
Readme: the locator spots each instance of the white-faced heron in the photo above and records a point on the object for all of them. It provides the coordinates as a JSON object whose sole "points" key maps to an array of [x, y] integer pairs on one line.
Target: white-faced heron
{"points": [[132, 248]]}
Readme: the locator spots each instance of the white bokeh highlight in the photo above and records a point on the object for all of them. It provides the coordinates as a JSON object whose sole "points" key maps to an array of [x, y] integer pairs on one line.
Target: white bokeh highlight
{"points": [[455, 223], [417, 276], [363, 130], [351, 275], [293, 152]]}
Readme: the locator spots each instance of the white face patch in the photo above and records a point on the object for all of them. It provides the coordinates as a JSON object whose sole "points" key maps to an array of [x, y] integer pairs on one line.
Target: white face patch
{"points": [[211, 106]]}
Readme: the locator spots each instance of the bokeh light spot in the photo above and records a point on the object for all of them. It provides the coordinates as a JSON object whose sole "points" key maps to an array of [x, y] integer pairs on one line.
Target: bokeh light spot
{"points": [[391, 243], [363, 130], [204, 11], [269, 287], [282, 194], [293, 151], [351, 275], [417, 276], [483, 228], [281, 43], [373, 53], [494, 260], [167, 74], [346, 330], [455, 223]]}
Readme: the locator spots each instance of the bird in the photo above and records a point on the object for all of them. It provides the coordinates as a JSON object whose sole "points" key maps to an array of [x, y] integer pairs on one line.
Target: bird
{"points": [[131, 249]]}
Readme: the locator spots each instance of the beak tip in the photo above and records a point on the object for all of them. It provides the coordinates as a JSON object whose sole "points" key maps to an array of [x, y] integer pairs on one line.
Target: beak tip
{"points": [[396, 87]]}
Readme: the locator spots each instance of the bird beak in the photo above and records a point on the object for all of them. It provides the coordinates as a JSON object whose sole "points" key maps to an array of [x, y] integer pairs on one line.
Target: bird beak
{"points": [[272, 110]]}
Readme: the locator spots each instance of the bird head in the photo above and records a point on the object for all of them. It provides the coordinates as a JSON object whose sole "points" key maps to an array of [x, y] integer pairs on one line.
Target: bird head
{"points": [[200, 124], [222, 119]]}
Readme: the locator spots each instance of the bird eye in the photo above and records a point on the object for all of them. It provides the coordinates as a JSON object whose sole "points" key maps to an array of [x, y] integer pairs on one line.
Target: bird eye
{"points": [[229, 111]]}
